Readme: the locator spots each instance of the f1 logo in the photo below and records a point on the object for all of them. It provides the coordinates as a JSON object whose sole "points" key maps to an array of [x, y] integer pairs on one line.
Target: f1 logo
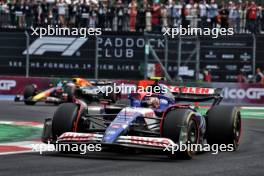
{"points": [[67, 45]]}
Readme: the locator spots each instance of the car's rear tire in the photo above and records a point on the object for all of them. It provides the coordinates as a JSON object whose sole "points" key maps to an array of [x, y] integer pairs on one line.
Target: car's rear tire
{"points": [[224, 126], [63, 119], [70, 91], [175, 124], [29, 92]]}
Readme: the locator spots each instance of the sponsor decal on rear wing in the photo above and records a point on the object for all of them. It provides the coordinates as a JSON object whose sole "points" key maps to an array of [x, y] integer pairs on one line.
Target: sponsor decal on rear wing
{"points": [[196, 94], [193, 90]]}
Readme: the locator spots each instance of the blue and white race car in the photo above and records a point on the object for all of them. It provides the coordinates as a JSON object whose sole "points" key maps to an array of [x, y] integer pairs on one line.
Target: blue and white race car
{"points": [[153, 121]]}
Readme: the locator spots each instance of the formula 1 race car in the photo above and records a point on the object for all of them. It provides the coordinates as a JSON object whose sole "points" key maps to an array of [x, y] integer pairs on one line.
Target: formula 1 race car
{"points": [[149, 121], [67, 91]]}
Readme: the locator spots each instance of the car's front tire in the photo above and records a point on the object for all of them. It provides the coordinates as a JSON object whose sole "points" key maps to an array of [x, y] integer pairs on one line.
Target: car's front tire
{"points": [[176, 124], [63, 119]]}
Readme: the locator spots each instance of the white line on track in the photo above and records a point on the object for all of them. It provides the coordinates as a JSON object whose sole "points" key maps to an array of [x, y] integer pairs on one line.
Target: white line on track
{"points": [[252, 108]]}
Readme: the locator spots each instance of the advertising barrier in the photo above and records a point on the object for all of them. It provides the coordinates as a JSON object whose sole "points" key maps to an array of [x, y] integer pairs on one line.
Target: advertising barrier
{"points": [[15, 85], [233, 93], [122, 55]]}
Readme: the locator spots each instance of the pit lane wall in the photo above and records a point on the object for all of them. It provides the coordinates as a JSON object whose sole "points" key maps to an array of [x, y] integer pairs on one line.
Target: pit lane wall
{"points": [[234, 93]]}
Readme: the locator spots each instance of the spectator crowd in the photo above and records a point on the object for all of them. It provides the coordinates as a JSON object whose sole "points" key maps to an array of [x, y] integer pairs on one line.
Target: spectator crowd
{"points": [[133, 15]]}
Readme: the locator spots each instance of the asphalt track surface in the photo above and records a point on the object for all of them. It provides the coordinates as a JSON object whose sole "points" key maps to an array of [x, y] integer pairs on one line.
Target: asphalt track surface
{"points": [[249, 160]]}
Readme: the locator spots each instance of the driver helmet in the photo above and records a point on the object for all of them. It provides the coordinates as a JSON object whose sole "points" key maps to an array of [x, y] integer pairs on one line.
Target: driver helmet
{"points": [[153, 102]]}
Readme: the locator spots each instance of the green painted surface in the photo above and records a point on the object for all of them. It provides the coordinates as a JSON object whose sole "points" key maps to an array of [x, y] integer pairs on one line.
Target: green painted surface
{"points": [[13, 133], [245, 113]]}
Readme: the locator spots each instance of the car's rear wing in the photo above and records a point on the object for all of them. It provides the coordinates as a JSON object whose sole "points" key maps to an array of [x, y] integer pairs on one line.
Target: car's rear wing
{"points": [[196, 94], [102, 83]]}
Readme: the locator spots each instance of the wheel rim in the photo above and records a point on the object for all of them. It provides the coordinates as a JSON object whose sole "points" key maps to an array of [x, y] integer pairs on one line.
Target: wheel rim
{"points": [[192, 132], [237, 130]]}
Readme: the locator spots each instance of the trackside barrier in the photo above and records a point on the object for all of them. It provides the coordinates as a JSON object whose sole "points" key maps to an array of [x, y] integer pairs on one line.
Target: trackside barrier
{"points": [[233, 93]]}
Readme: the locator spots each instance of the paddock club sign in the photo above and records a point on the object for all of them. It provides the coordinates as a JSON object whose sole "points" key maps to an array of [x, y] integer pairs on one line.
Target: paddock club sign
{"points": [[120, 56]]}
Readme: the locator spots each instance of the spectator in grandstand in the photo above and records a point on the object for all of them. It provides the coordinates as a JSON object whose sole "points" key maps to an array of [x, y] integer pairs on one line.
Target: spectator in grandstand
{"points": [[259, 77], [3, 13], [241, 78], [20, 14], [148, 18], [54, 14], [156, 7], [119, 9], [72, 10], [187, 14], [262, 18], [164, 17], [78, 14], [44, 13], [175, 13], [239, 21], [245, 27], [141, 17], [259, 19], [252, 17], [233, 16], [35, 9], [84, 11], [61, 12], [192, 13], [207, 77], [203, 13], [101, 15], [93, 15], [132, 15], [212, 13], [13, 5], [224, 13], [126, 16], [110, 13], [28, 13]]}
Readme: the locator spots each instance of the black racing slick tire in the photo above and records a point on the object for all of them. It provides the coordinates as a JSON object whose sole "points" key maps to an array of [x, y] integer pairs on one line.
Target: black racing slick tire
{"points": [[224, 126], [29, 92], [70, 91], [64, 118], [175, 124]]}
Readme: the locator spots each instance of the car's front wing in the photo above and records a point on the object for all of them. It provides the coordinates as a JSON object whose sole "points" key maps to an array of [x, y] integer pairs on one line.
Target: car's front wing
{"points": [[129, 141]]}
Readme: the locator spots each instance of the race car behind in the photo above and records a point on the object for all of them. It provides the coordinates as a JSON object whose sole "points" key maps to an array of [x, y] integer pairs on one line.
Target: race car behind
{"points": [[67, 91]]}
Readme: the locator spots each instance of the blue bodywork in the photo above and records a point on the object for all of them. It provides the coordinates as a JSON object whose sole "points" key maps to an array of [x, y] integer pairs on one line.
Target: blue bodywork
{"points": [[131, 114]]}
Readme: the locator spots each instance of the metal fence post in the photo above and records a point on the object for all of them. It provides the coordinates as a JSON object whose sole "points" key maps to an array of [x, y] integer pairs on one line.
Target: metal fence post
{"points": [[179, 56], [166, 53], [27, 55], [254, 55], [96, 59], [146, 57], [197, 59]]}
